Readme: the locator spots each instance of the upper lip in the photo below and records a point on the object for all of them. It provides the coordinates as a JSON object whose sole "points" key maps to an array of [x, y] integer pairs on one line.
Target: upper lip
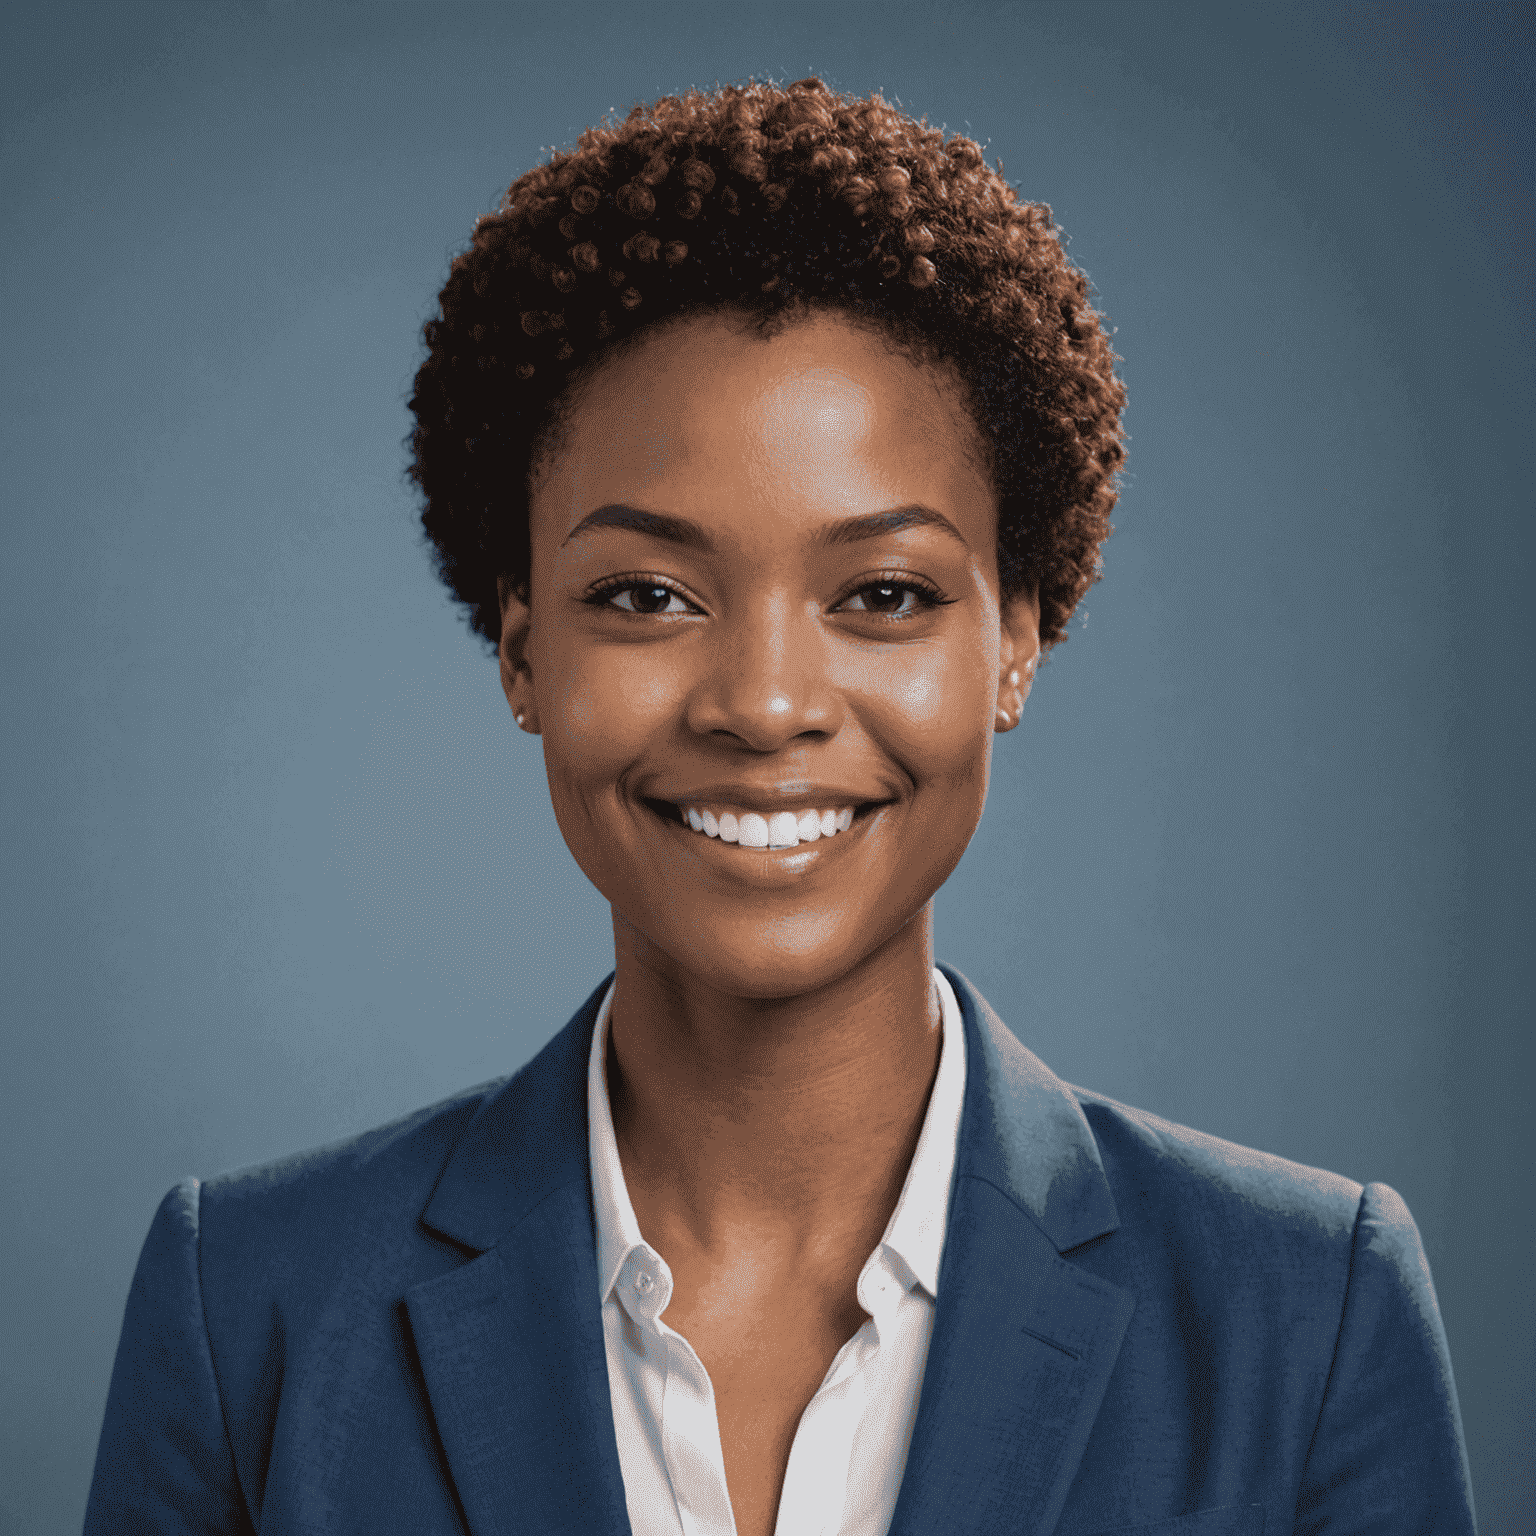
{"points": [[768, 798]]}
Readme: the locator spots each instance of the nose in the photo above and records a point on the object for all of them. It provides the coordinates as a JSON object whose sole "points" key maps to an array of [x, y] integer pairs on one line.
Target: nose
{"points": [[766, 679]]}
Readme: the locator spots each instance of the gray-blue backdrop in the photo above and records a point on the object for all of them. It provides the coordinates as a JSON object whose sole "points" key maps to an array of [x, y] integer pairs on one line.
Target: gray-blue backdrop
{"points": [[276, 864]]}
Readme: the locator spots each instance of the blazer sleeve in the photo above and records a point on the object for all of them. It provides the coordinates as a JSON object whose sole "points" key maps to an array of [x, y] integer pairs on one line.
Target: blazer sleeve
{"points": [[164, 1463], [1387, 1455]]}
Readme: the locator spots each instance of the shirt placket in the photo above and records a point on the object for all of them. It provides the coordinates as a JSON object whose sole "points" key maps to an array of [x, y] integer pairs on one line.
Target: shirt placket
{"points": [[690, 1431], [814, 1497]]}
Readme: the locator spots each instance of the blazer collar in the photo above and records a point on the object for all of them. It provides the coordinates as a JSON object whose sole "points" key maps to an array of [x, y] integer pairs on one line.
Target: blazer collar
{"points": [[526, 1141], [1024, 1340], [1023, 1132], [511, 1343]]}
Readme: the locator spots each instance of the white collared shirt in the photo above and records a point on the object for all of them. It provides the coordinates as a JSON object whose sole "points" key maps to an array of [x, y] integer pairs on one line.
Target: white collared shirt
{"points": [[850, 1448]]}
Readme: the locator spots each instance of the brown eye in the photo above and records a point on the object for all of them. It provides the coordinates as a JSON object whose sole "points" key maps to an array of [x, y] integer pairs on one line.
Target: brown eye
{"points": [[884, 598], [890, 599], [650, 599], [645, 597]]}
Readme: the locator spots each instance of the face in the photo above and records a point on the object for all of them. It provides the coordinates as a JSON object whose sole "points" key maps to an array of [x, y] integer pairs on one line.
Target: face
{"points": [[763, 605]]}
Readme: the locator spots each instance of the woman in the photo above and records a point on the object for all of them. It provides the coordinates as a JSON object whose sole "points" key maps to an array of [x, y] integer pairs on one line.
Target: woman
{"points": [[772, 441]]}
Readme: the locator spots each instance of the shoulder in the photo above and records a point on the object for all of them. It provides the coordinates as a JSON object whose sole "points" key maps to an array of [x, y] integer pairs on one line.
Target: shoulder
{"points": [[1280, 1295], [384, 1209], [501, 1130], [1250, 1223], [1085, 1166], [393, 1163], [1268, 1260], [1146, 1155], [339, 1215]]}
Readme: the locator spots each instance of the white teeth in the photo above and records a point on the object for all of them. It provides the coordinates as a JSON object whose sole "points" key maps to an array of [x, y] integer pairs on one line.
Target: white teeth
{"points": [[783, 829], [783, 832]]}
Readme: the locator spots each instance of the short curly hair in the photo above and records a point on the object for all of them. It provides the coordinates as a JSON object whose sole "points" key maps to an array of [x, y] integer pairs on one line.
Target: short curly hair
{"points": [[767, 200]]}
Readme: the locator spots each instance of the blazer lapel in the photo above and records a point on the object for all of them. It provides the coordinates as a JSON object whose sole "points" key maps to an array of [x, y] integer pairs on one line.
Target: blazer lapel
{"points": [[1024, 1341], [511, 1343]]}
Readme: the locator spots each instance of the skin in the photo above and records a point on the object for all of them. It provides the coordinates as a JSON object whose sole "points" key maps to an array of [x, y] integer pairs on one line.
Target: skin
{"points": [[775, 1029]]}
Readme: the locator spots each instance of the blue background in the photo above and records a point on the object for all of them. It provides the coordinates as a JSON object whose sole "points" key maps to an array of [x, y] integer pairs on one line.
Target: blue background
{"points": [[277, 865]]}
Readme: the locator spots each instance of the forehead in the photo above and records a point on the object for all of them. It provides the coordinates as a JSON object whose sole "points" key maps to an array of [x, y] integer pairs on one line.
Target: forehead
{"points": [[708, 417]]}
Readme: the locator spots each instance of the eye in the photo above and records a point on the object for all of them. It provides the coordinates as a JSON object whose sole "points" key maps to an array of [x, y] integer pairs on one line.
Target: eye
{"points": [[891, 599], [641, 597], [647, 600]]}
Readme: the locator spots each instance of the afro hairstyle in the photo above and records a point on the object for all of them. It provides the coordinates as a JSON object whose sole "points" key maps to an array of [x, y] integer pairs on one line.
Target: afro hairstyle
{"points": [[768, 200]]}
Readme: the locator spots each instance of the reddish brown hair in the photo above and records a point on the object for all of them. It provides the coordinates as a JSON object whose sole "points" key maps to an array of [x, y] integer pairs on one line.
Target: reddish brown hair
{"points": [[767, 199]]}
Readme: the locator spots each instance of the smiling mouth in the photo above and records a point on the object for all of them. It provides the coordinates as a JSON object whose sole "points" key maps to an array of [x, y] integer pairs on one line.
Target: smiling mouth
{"points": [[753, 830]]}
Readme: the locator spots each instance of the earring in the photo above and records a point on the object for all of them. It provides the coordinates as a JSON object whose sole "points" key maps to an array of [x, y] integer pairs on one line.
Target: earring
{"points": [[518, 717]]}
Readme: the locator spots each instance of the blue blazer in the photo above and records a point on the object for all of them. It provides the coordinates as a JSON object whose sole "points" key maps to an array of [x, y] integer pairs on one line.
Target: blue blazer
{"points": [[1140, 1330]]}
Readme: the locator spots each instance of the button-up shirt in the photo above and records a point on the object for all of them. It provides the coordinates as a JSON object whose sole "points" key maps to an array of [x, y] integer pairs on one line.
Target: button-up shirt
{"points": [[850, 1447]]}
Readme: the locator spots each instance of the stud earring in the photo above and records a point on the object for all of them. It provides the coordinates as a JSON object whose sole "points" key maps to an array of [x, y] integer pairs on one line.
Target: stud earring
{"points": [[518, 717]]}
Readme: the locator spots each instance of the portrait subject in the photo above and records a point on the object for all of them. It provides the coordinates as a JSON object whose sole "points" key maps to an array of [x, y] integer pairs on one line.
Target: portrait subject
{"points": [[769, 436]]}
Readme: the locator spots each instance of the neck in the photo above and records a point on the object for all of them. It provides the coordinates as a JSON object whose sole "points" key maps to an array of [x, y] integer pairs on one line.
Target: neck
{"points": [[792, 1115]]}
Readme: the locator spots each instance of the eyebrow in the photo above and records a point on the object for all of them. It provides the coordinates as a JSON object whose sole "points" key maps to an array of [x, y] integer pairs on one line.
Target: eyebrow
{"points": [[683, 531]]}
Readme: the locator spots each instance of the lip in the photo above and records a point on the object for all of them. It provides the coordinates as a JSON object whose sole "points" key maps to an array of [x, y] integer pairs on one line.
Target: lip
{"points": [[764, 867], [767, 799]]}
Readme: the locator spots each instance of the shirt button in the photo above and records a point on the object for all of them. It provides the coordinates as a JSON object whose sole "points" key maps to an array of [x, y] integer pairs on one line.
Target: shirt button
{"points": [[643, 1283]]}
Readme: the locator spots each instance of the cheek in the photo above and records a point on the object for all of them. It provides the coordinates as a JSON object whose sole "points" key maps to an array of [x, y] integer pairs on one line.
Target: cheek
{"points": [[598, 708], [933, 706], [600, 705], [919, 695]]}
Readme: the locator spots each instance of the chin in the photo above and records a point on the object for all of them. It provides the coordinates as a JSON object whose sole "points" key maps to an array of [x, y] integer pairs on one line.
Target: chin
{"points": [[771, 956]]}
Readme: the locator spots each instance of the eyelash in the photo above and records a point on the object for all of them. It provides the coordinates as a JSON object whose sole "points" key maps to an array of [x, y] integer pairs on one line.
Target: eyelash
{"points": [[928, 595], [600, 594]]}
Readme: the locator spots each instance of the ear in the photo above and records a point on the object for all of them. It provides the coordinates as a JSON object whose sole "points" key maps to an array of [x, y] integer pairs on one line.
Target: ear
{"points": [[1018, 656], [516, 675]]}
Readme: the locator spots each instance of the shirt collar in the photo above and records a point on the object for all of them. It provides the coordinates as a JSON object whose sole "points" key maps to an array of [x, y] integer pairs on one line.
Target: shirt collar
{"points": [[915, 1232], [618, 1232]]}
